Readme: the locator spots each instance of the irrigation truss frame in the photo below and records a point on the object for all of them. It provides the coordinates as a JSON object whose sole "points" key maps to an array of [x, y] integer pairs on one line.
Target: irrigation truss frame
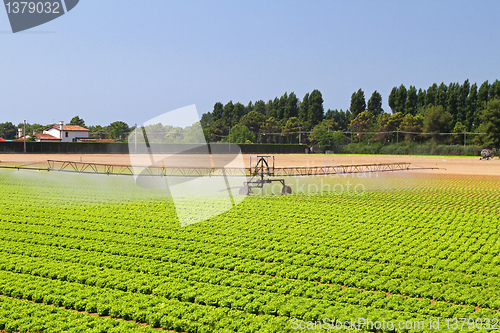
{"points": [[256, 170]]}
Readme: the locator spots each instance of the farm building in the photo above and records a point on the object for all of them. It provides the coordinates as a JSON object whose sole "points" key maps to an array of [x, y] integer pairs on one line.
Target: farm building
{"points": [[41, 137], [67, 133]]}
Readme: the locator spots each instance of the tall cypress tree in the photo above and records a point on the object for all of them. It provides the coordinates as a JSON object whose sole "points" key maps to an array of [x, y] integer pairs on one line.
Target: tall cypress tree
{"points": [[431, 94], [421, 98], [358, 103], [304, 109], [392, 99], [411, 101], [452, 101], [291, 106], [494, 90], [472, 115], [274, 110], [217, 112], [401, 99], [316, 111], [238, 113], [442, 95], [463, 93], [483, 95], [375, 103], [227, 113], [260, 107]]}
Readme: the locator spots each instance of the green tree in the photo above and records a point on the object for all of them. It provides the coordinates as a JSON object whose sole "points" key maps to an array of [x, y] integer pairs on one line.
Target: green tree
{"points": [[316, 111], [321, 136], [387, 125], [30, 129], [218, 131], [392, 99], [494, 90], [274, 109], [358, 103], [227, 113], [207, 119], [364, 122], [397, 99], [118, 130], [463, 93], [270, 126], [453, 100], [483, 95], [155, 133], [411, 124], [401, 99], [491, 120], [218, 111], [98, 132], [249, 107], [291, 128], [238, 113], [411, 103], [421, 98], [253, 121], [430, 95], [77, 121], [304, 110], [472, 117], [282, 107], [458, 138], [340, 118], [291, 106], [437, 120], [442, 95], [375, 103], [260, 107], [8, 131], [241, 134]]}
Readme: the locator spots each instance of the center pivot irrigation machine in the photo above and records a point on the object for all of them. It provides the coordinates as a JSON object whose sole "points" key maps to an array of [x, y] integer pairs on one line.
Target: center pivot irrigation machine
{"points": [[264, 167], [262, 171]]}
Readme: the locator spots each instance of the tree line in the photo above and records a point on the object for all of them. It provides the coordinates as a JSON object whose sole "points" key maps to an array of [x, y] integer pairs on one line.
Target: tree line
{"points": [[453, 108], [115, 130]]}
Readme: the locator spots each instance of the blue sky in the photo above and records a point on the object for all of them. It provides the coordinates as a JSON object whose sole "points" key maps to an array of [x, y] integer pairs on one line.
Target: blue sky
{"points": [[134, 60]]}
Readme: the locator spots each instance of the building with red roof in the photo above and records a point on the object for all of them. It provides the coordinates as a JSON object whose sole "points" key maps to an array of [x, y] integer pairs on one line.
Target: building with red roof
{"points": [[41, 137], [67, 133]]}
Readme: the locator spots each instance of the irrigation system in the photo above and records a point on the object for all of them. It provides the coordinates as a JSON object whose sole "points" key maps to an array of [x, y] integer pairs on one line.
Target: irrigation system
{"points": [[262, 170]]}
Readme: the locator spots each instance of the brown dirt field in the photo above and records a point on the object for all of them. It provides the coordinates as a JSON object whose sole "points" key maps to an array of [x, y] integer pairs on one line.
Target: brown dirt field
{"points": [[465, 166]]}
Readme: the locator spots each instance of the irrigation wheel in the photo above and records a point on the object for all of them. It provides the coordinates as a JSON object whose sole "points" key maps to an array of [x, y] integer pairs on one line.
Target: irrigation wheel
{"points": [[244, 190], [286, 190]]}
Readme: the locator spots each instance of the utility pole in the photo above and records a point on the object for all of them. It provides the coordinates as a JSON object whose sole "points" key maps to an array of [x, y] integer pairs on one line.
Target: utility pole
{"points": [[300, 136], [24, 136], [135, 138]]}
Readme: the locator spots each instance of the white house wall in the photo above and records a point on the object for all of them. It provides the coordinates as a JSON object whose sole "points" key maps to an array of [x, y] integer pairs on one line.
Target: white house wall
{"points": [[71, 134]]}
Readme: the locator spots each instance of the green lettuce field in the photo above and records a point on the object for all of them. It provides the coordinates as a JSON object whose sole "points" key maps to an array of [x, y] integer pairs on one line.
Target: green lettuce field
{"points": [[98, 254]]}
